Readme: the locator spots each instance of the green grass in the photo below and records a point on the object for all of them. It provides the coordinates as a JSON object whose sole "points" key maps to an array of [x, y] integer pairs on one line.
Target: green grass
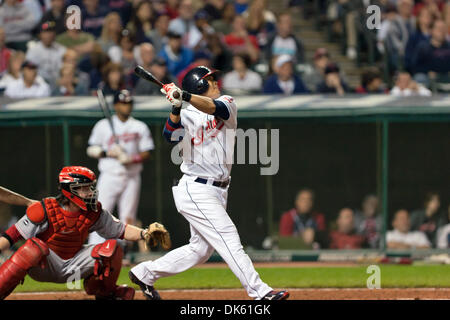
{"points": [[392, 276]]}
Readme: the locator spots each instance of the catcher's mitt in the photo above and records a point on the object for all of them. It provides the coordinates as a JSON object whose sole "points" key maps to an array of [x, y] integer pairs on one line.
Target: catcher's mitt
{"points": [[157, 233]]}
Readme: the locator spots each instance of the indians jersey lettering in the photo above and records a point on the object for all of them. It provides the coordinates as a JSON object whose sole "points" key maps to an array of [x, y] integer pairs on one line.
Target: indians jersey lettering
{"points": [[208, 143]]}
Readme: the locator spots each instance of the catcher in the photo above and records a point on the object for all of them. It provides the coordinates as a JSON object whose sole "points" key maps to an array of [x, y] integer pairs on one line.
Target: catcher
{"points": [[55, 230]]}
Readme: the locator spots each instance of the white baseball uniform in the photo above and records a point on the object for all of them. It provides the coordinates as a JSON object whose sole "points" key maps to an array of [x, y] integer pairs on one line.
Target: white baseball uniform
{"points": [[118, 183], [203, 205]]}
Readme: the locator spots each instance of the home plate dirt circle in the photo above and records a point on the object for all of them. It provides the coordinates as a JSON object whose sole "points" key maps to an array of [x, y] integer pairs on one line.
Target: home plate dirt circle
{"points": [[240, 294]]}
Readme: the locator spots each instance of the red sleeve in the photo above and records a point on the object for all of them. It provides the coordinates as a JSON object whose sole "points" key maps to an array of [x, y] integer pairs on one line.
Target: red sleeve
{"points": [[286, 224], [360, 89], [13, 235], [320, 221], [333, 240], [254, 41]]}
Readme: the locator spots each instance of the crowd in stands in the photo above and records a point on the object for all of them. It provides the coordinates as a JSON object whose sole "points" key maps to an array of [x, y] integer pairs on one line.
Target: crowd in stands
{"points": [[358, 228], [41, 56], [413, 38]]}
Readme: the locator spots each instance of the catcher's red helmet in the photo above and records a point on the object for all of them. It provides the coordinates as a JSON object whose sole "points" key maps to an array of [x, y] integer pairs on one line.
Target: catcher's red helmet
{"points": [[74, 177]]}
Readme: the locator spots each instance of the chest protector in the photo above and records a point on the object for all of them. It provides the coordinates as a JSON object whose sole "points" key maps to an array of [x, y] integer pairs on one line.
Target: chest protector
{"points": [[67, 231]]}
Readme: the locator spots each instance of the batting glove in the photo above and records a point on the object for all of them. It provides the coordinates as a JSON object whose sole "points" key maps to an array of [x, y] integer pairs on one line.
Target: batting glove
{"points": [[124, 158], [114, 151], [169, 90]]}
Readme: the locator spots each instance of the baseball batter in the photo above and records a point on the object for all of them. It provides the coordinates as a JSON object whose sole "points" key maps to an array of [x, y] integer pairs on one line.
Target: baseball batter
{"points": [[55, 230], [121, 159], [209, 122]]}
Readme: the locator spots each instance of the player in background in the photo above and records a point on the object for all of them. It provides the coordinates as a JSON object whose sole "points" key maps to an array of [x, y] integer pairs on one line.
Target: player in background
{"points": [[55, 230], [209, 122], [121, 159]]}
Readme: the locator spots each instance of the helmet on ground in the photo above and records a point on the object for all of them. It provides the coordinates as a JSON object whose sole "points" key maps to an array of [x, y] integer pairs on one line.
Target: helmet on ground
{"points": [[72, 179], [195, 80]]}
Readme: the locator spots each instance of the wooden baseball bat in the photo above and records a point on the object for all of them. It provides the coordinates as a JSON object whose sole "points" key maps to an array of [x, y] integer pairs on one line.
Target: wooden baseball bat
{"points": [[147, 75], [106, 112]]}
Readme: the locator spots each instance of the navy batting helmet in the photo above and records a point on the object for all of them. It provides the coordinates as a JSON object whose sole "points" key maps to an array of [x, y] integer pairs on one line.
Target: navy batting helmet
{"points": [[195, 80]]}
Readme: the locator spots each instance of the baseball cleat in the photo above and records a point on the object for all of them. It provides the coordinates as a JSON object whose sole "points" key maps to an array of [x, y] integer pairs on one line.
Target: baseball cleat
{"points": [[276, 295], [149, 291]]}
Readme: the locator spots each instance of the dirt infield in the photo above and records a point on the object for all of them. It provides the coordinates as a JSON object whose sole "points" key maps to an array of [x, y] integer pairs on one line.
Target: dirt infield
{"points": [[239, 294]]}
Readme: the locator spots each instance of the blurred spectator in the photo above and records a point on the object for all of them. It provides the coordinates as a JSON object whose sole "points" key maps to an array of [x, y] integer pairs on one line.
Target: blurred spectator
{"points": [[68, 84], [405, 86], [242, 80], [123, 7], [435, 7], [345, 237], [317, 76], [146, 54], [401, 237], [57, 14], [202, 23], [112, 28], [260, 21], [144, 57], [433, 56], [371, 82], [13, 71], [368, 221], [125, 52], [430, 218], [17, 21], [158, 68], [399, 31], [29, 85], [223, 25], [113, 79], [168, 6], [5, 53], [240, 6], [333, 82], [284, 80], [303, 221], [93, 66], [82, 42], [177, 57], [214, 8], [71, 57], [36, 7], [239, 40], [222, 57], [141, 21], [443, 234], [390, 14], [343, 15], [284, 41], [201, 58], [447, 16], [92, 16], [47, 54], [422, 33], [158, 36], [185, 25]]}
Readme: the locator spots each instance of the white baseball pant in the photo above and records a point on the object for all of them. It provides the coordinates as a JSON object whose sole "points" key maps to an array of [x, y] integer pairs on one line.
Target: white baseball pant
{"points": [[204, 207]]}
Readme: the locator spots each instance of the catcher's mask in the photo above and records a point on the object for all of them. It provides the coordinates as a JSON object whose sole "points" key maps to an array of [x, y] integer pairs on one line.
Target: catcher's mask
{"points": [[72, 180]]}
